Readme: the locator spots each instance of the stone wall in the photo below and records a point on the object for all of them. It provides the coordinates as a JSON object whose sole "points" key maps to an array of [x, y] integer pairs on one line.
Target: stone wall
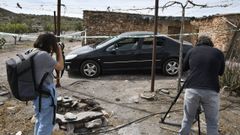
{"points": [[112, 23], [220, 28]]}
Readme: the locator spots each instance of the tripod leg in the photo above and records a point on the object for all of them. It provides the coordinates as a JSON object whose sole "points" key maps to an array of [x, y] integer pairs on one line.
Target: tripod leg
{"points": [[174, 101], [164, 117], [199, 128], [198, 119]]}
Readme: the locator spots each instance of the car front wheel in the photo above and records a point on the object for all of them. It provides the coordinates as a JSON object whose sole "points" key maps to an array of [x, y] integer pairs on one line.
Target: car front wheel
{"points": [[170, 67], [90, 69]]}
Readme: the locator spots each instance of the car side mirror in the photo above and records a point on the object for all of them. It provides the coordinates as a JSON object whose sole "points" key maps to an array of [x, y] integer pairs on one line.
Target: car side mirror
{"points": [[115, 46]]}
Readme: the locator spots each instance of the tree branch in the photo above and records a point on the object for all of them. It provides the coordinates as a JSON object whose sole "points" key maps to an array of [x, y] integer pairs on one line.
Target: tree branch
{"points": [[170, 3], [197, 5]]}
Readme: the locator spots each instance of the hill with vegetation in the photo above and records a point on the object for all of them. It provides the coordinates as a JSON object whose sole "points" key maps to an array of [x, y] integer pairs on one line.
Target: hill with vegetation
{"points": [[25, 23]]}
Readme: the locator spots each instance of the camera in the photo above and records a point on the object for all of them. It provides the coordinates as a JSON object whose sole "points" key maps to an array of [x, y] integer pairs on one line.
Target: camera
{"points": [[61, 44]]}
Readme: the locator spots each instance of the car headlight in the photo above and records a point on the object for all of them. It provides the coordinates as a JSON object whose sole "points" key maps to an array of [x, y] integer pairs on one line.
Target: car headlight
{"points": [[70, 56]]}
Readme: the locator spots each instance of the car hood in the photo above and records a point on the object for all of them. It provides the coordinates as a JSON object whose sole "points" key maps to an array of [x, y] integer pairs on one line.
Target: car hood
{"points": [[82, 49]]}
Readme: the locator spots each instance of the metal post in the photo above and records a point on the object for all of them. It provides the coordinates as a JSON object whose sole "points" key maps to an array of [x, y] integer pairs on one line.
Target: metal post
{"points": [[58, 18], [58, 34], [85, 37], [55, 23], [15, 40], [153, 72]]}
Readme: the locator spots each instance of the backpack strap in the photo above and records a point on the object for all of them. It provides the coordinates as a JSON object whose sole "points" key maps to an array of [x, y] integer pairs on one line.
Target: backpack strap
{"points": [[40, 91], [54, 110], [33, 72], [63, 64]]}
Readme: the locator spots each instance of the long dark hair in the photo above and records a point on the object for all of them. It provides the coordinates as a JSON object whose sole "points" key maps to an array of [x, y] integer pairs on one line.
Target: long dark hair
{"points": [[46, 42], [204, 40]]}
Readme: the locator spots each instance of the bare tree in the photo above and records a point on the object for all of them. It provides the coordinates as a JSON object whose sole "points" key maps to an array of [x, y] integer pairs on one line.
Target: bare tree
{"points": [[183, 6]]}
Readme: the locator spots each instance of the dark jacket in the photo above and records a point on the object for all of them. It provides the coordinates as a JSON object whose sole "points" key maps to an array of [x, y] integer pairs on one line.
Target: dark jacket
{"points": [[205, 65]]}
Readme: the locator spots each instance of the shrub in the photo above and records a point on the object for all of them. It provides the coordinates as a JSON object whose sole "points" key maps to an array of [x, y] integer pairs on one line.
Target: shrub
{"points": [[231, 76], [49, 27], [15, 28], [78, 26]]}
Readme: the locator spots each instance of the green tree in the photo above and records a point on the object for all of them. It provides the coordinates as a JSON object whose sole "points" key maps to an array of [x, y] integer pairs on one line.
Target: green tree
{"points": [[21, 28], [2, 27], [15, 28], [65, 27], [78, 26], [48, 27]]}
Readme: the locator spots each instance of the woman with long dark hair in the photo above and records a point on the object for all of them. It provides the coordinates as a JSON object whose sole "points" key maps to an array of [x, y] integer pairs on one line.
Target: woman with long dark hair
{"points": [[44, 64]]}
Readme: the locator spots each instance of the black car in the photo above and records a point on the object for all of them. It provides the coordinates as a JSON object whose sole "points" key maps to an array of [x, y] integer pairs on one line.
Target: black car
{"points": [[128, 51]]}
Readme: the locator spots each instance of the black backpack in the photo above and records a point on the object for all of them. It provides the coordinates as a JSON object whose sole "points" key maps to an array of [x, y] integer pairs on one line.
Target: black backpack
{"points": [[21, 76], [21, 79]]}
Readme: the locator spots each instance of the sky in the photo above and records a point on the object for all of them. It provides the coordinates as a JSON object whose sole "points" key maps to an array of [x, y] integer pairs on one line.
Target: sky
{"points": [[74, 8]]}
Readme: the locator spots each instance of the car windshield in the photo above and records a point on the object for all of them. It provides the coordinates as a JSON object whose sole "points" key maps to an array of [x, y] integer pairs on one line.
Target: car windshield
{"points": [[106, 42]]}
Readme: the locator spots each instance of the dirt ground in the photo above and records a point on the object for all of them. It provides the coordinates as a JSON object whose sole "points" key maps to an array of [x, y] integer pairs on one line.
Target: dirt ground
{"points": [[119, 94]]}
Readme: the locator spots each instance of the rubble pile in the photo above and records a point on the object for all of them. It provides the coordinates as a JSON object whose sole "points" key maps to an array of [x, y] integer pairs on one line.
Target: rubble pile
{"points": [[4, 94], [80, 115]]}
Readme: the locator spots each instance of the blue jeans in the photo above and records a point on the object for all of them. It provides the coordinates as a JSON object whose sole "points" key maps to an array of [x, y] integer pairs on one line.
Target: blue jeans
{"points": [[209, 100], [44, 118]]}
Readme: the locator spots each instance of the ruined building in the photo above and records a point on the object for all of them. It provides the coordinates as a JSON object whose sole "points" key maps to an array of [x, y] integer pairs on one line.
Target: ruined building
{"points": [[223, 29]]}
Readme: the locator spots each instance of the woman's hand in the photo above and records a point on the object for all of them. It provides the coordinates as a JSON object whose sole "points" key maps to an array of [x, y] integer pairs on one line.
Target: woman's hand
{"points": [[60, 64]]}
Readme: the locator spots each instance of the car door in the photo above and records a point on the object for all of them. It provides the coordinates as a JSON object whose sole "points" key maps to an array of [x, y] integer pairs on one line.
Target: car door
{"points": [[146, 49], [121, 55]]}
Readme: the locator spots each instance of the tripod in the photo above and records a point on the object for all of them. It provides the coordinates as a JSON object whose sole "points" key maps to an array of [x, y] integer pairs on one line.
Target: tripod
{"points": [[197, 117]]}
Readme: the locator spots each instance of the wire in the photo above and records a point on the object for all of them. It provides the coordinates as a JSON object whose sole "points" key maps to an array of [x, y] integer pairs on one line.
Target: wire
{"points": [[70, 36], [51, 4], [121, 126], [49, 8]]}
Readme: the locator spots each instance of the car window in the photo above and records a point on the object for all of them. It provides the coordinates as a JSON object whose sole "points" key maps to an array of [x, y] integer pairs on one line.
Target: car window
{"points": [[124, 44], [106, 42], [148, 43]]}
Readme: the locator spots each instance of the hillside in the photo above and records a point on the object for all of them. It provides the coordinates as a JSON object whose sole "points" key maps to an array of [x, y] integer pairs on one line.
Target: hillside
{"points": [[4, 12], [67, 23]]}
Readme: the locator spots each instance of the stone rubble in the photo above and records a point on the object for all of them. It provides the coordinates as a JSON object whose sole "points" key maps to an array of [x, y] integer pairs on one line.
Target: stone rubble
{"points": [[164, 91], [3, 93], [148, 95], [80, 115], [1, 103], [94, 124], [70, 116], [19, 133]]}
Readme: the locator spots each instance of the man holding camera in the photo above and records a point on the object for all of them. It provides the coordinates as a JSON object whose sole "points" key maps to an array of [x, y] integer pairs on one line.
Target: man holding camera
{"points": [[205, 65]]}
